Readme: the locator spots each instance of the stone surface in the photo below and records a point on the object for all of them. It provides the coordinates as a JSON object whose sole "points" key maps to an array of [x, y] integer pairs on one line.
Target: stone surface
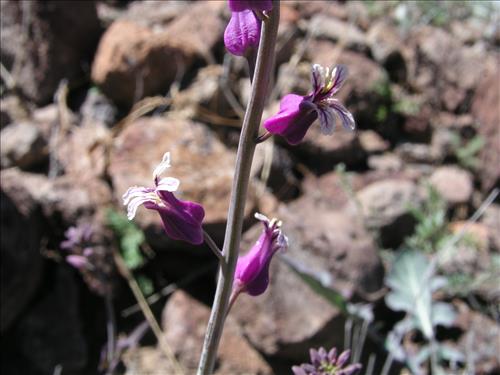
{"points": [[12, 109], [22, 145], [38, 43], [371, 142], [384, 206], [184, 321], [328, 243], [480, 339], [454, 184], [485, 111], [50, 332], [21, 266], [204, 166], [343, 33], [386, 46], [134, 61]]}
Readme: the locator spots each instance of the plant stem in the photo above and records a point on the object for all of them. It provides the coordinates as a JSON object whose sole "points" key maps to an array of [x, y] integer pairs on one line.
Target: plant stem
{"points": [[244, 157], [215, 249]]}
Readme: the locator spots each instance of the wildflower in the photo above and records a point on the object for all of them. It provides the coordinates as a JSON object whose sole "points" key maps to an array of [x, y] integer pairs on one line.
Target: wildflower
{"points": [[252, 269], [297, 113], [243, 30], [181, 219], [327, 363], [257, 5]]}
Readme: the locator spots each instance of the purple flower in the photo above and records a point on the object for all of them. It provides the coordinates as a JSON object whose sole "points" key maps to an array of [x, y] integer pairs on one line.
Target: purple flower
{"points": [[181, 219], [327, 363], [297, 113], [252, 269], [257, 5], [76, 236], [242, 32]]}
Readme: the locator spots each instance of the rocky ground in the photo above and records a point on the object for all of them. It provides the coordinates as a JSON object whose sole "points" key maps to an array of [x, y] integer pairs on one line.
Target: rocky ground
{"points": [[93, 94]]}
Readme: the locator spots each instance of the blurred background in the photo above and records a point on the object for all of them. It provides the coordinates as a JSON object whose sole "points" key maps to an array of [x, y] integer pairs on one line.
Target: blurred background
{"points": [[394, 228]]}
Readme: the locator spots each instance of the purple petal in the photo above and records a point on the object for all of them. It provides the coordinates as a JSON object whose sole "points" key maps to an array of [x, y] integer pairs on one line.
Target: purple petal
{"points": [[315, 357], [345, 116], [298, 370], [318, 78], [339, 75], [351, 369], [242, 32], [343, 358], [332, 355], [240, 5], [293, 119], [182, 220], [326, 120], [77, 261]]}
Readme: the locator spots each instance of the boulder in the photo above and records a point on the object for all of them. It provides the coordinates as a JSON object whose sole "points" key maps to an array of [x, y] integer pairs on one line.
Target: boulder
{"points": [[134, 61], [22, 145], [455, 185], [38, 42], [485, 111], [342, 33], [184, 322], [384, 205]]}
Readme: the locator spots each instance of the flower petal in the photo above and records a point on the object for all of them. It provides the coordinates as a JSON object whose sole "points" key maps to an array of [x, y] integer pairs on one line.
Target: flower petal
{"points": [[182, 220], [168, 184], [326, 120], [318, 78], [339, 75], [294, 118], [242, 32], [345, 116], [240, 5], [164, 165]]}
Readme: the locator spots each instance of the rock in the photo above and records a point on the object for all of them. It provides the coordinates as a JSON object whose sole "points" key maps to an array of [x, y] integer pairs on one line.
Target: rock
{"points": [[322, 153], [386, 45], [446, 77], [97, 108], [386, 162], [155, 15], [453, 184], [50, 333], [184, 321], [12, 109], [328, 243], [83, 152], [62, 197], [200, 161], [485, 110], [22, 145], [491, 219], [417, 153], [453, 122], [38, 43], [371, 142], [345, 34], [134, 61], [21, 266], [480, 339], [384, 206]]}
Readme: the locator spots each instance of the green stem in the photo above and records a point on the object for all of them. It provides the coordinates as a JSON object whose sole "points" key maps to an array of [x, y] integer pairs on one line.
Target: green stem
{"points": [[244, 157]]}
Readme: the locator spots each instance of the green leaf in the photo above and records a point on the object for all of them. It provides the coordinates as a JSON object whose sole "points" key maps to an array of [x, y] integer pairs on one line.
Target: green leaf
{"points": [[145, 284], [318, 281]]}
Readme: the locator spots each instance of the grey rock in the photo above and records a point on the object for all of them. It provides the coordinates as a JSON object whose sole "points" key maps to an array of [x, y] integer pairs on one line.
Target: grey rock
{"points": [[22, 145], [454, 184]]}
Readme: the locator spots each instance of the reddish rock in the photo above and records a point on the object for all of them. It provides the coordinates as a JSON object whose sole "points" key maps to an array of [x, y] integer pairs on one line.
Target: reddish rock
{"points": [[134, 61], [38, 40], [486, 112], [454, 184], [371, 142], [184, 321], [384, 206]]}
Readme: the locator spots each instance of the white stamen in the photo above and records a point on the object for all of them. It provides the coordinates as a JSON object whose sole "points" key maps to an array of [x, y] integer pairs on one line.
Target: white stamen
{"points": [[164, 165]]}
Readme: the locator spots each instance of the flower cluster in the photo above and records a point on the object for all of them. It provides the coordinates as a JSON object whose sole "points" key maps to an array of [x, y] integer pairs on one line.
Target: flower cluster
{"points": [[243, 30], [297, 113], [327, 363], [91, 258], [252, 269], [182, 220]]}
